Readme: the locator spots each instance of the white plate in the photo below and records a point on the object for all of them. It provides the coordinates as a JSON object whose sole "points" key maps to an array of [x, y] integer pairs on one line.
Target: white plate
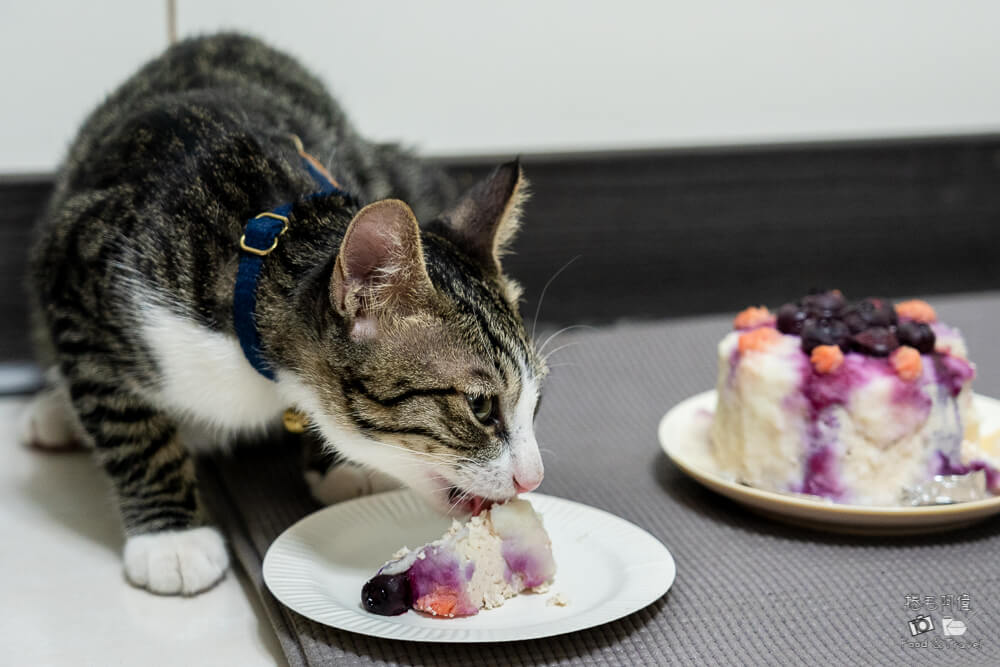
{"points": [[606, 568], [683, 435]]}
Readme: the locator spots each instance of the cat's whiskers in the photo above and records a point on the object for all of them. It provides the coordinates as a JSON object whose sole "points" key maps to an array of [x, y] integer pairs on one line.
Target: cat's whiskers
{"points": [[549, 451], [418, 465], [453, 503], [538, 308], [411, 465], [561, 347], [435, 458], [433, 455], [462, 497], [560, 332]]}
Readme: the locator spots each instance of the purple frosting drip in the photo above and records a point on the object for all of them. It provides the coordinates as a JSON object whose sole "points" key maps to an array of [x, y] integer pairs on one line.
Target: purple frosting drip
{"points": [[952, 372], [948, 467], [521, 561], [439, 569], [823, 391], [821, 477], [734, 361]]}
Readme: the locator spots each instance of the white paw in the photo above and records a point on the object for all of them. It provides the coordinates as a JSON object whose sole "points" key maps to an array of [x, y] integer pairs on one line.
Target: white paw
{"points": [[48, 422], [345, 481], [176, 562]]}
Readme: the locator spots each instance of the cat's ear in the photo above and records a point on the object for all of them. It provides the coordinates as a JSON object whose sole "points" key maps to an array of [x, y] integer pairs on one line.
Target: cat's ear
{"points": [[486, 218], [380, 267]]}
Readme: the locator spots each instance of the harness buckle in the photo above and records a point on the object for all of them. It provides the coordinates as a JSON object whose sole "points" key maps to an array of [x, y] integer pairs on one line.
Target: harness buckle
{"points": [[264, 252]]}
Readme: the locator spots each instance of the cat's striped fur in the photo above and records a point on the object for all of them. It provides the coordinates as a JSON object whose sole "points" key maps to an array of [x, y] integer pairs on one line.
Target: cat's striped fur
{"points": [[379, 329]]}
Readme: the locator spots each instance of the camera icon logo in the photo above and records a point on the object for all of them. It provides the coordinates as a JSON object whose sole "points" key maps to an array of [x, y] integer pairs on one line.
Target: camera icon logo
{"points": [[920, 625], [952, 627]]}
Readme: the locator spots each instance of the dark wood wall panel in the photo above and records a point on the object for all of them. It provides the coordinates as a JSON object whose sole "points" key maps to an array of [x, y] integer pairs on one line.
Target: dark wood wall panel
{"points": [[21, 201], [670, 233], [679, 233]]}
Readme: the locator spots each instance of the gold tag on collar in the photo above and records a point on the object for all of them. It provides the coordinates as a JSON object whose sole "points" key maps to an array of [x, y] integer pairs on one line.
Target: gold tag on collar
{"points": [[295, 421]]}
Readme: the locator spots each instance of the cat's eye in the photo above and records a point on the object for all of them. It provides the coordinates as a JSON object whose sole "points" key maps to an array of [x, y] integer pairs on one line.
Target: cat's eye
{"points": [[483, 408]]}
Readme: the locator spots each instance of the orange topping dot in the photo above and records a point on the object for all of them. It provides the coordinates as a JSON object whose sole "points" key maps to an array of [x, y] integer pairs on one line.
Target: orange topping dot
{"points": [[438, 603], [753, 317], [759, 339], [916, 310], [906, 360], [827, 358]]}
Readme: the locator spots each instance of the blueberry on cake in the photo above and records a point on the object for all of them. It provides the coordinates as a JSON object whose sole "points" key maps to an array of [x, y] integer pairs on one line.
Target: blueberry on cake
{"points": [[855, 402], [477, 565]]}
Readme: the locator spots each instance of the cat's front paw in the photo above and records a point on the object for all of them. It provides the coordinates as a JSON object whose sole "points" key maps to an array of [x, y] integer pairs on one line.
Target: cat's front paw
{"points": [[181, 562], [48, 423], [344, 481]]}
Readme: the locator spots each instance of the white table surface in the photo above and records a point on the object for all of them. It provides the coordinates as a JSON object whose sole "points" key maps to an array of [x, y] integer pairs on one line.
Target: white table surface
{"points": [[64, 598]]}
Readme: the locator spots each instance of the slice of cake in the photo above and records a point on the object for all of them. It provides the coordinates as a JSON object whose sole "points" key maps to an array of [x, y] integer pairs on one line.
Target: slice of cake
{"points": [[476, 565], [855, 402]]}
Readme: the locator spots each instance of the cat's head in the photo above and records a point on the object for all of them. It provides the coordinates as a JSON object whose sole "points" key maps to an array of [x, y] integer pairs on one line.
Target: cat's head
{"points": [[437, 382]]}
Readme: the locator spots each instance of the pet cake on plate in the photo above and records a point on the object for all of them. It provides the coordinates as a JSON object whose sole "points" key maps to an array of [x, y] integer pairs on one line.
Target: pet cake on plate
{"points": [[477, 565], [861, 403]]}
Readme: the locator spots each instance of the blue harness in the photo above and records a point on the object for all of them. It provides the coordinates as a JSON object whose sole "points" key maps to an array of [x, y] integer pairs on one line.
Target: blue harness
{"points": [[260, 238]]}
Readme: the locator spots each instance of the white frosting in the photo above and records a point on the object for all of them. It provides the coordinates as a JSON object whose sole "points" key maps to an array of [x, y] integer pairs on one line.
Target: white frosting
{"points": [[488, 588], [757, 435]]}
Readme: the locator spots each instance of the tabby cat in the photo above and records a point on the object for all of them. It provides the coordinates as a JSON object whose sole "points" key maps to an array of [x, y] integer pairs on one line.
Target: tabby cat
{"points": [[401, 342]]}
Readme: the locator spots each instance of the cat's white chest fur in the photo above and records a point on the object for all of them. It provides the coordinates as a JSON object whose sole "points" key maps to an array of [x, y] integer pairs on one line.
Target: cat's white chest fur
{"points": [[205, 375]]}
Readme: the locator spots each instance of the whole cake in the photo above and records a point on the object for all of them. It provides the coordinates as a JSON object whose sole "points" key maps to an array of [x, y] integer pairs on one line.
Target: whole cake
{"points": [[856, 402], [476, 565]]}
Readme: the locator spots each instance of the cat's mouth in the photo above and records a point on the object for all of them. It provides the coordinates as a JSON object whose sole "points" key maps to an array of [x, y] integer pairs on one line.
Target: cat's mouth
{"points": [[449, 498], [460, 500]]}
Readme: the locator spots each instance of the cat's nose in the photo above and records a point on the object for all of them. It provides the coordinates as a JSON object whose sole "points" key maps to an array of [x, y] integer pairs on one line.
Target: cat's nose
{"points": [[523, 486]]}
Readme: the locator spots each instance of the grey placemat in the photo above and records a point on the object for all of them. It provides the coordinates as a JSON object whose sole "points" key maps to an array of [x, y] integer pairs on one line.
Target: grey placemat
{"points": [[748, 590]]}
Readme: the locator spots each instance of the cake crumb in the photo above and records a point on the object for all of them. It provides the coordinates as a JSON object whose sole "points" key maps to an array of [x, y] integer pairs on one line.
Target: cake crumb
{"points": [[557, 600], [541, 588]]}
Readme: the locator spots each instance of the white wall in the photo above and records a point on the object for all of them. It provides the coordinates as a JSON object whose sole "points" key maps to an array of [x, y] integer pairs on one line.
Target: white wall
{"points": [[460, 76]]}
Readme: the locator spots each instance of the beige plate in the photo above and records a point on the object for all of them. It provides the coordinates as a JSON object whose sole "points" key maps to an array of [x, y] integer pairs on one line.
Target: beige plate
{"points": [[684, 437]]}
